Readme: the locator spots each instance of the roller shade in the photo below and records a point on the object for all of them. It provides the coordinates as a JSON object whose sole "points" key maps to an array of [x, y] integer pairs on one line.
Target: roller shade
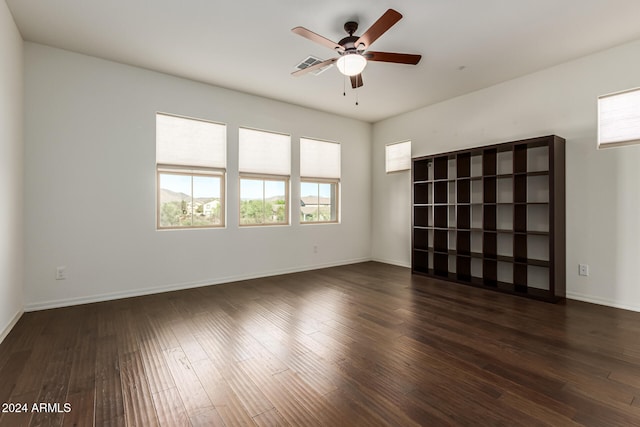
{"points": [[619, 118], [264, 152], [319, 159], [398, 156], [190, 142]]}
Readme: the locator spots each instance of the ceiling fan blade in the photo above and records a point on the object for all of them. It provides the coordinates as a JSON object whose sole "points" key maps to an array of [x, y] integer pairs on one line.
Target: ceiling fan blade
{"points": [[386, 21], [398, 58], [314, 67], [356, 81], [308, 34]]}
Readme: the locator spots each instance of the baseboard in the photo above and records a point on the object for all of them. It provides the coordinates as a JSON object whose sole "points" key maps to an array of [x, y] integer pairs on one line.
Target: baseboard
{"points": [[392, 262], [601, 301], [44, 305], [5, 331]]}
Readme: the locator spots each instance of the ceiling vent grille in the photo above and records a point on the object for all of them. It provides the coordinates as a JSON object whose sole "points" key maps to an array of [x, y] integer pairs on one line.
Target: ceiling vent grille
{"points": [[312, 60]]}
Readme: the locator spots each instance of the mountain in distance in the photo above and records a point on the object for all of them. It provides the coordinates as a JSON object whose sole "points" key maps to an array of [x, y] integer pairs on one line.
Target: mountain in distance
{"points": [[168, 196]]}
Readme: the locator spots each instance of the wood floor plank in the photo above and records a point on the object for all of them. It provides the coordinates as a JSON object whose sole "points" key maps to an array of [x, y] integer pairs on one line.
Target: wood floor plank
{"points": [[360, 345], [11, 372], [193, 395], [252, 397], [82, 405], [82, 381], [207, 418], [138, 404], [170, 409], [184, 333], [270, 418], [109, 408], [224, 399]]}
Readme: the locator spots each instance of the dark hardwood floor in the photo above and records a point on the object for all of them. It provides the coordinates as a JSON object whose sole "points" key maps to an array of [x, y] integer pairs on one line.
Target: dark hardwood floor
{"points": [[364, 344]]}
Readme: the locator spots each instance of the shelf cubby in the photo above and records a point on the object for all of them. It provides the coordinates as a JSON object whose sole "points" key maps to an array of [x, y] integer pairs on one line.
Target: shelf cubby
{"points": [[440, 168], [463, 217], [440, 216], [537, 189], [463, 166], [489, 217], [452, 192], [463, 191], [493, 217], [422, 216], [504, 162], [440, 192], [423, 193], [489, 193], [505, 245], [505, 272], [463, 242], [504, 218], [489, 167], [504, 189]]}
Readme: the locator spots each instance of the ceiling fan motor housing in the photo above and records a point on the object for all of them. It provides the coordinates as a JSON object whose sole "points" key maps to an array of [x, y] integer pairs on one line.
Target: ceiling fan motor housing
{"points": [[349, 42]]}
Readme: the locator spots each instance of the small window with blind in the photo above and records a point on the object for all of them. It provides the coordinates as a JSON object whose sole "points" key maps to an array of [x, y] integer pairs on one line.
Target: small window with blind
{"points": [[398, 156], [190, 168], [319, 181], [619, 118], [264, 163]]}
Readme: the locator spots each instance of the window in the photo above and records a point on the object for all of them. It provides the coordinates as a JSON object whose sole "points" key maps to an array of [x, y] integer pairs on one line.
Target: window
{"points": [[265, 168], [319, 180], [619, 118], [190, 167], [398, 156]]}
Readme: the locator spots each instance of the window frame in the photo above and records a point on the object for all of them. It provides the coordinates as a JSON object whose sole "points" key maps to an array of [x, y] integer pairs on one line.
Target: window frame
{"points": [[252, 173], [318, 181], [265, 177], [328, 179], [162, 169], [218, 169]]}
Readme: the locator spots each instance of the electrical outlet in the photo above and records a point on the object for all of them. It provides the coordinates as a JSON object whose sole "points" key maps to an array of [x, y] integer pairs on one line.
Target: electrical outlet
{"points": [[315, 249], [583, 269], [61, 273]]}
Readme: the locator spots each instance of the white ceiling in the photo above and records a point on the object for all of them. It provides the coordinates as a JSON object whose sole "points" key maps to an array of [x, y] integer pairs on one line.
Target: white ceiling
{"points": [[247, 45]]}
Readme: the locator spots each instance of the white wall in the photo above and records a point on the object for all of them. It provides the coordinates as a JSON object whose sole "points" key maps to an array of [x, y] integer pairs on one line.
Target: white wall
{"points": [[90, 184], [11, 170], [603, 187]]}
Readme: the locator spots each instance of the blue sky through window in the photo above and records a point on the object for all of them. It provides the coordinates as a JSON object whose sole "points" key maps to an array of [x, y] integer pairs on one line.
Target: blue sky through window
{"points": [[203, 186]]}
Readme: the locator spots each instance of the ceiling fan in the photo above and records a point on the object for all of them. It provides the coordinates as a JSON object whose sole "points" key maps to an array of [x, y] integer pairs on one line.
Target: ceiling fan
{"points": [[353, 49]]}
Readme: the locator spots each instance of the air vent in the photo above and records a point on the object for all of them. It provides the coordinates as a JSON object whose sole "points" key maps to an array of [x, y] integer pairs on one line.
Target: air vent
{"points": [[312, 60]]}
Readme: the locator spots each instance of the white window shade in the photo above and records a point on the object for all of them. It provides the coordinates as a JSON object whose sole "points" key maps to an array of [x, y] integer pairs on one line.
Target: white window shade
{"points": [[264, 152], [319, 159], [619, 118], [398, 156], [190, 142]]}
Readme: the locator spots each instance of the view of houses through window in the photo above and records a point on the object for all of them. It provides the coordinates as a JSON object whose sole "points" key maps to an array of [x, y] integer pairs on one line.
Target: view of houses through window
{"points": [[264, 163], [188, 200], [320, 180], [191, 170], [318, 201], [190, 166], [263, 201]]}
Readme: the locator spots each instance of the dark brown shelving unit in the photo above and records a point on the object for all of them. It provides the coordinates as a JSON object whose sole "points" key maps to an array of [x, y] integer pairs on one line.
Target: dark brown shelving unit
{"points": [[493, 217]]}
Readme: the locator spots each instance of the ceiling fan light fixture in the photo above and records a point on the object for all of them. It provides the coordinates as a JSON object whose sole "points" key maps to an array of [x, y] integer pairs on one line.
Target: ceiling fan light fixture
{"points": [[351, 64]]}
